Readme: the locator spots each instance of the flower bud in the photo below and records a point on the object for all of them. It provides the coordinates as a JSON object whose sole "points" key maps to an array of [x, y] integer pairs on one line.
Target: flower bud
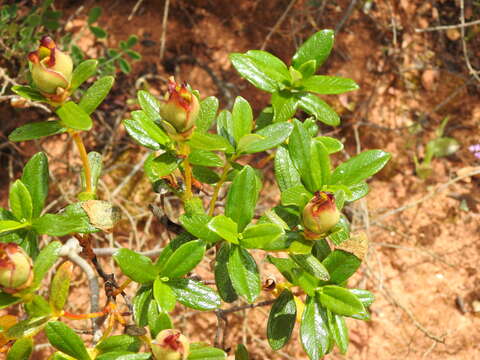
{"points": [[51, 69], [179, 110], [320, 215], [170, 344], [15, 268]]}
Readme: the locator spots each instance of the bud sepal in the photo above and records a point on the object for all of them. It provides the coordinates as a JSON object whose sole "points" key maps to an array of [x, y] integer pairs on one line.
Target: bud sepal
{"points": [[16, 268]]}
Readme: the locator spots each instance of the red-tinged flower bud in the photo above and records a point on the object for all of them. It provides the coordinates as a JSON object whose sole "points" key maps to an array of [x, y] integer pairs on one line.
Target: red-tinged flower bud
{"points": [[179, 110], [320, 215], [170, 344], [51, 69], [16, 268]]}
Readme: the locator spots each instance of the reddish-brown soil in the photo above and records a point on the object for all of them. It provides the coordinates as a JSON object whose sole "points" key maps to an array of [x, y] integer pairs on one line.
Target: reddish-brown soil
{"points": [[424, 246]]}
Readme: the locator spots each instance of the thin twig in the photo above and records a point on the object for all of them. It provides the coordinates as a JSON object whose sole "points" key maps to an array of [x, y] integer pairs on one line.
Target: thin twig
{"points": [[134, 10], [111, 251], [127, 178], [164, 28], [448, 27], [464, 43], [275, 27], [347, 14]]}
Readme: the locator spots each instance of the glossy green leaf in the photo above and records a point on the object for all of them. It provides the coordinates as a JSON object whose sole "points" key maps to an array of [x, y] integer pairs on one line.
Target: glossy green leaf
{"points": [[195, 295], [308, 68], [20, 201], [284, 105], [281, 320], [242, 197], [269, 137], [269, 64], [366, 297], [286, 174], [38, 307], [328, 84], [141, 302], [136, 131], [137, 267], [197, 226], [119, 343], [95, 94], [241, 353], [11, 225], [60, 286], [124, 355], [224, 227], [225, 126], [157, 320], [243, 272], [124, 65], [340, 301], [73, 116], [157, 167], [207, 114], [360, 167], [98, 31], [8, 300], [204, 158], [320, 166], [149, 104], [260, 236], [184, 259], [321, 249], [45, 260], [29, 93], [168, 250], [356, 192], [93, 14], [36, 130], [207, 141], [82, 72], [202, 352], [64, 339], [315, 106], [164, 296], [252, 71], [312, 265], [317, 47], [222, 277], [150, 127], [35, 178], [296, 195], [332, 145], [338, 329], [205, 175], [341, 265], [314, 333], [242, 118], [96, 166], [21, 349]]}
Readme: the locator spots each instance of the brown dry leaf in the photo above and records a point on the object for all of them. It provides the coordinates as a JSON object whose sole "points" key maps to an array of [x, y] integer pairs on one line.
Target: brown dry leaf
{"points": [[357, 245], [102, 214]]}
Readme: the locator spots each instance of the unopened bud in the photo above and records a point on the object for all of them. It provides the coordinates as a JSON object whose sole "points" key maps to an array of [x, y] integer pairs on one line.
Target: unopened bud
{"points": [[320, 215], [15, 268], [51, 68], [179, 110], [170, 344]]}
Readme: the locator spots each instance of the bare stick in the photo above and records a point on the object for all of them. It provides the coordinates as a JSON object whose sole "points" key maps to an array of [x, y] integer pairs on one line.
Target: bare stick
{"points": [[448, 27], [464, 43], [134, 10], [164, 28], [277, 25]]}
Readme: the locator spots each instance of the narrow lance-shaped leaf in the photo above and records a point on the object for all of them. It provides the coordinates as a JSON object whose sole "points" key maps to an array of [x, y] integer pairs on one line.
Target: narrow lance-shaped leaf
{"points": [[36, 130], [314, 330], [281, 320], [35, 178], [223, 280], [317, 47], [20, 201]]}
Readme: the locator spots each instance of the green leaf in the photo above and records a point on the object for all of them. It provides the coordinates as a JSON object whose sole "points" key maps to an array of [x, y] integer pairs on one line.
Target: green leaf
{"points": [[270, 136], [124, 355], [295, 274], [8, 300], [119, 343], [36, 130], [207, 114], [317, 47], [281, 320], [270, 65], [132, 40], [149, 104], [252, 71], [184, 259], [64, 339], [202, 352], [157, 167], [222, 277], [224, 227], [73, 116], [241, 353], [328, 84], [332, 145], [21, 350], [35, 178], [29, 93], [308, 68], [60, 285], [136, 131], [315, 106], [205, 175], [150, 127], [168, 250], [137, 267], [340, 301], [242, 197], [94, 14], [28, 327], [98, 32], [338, 329], [356, 192], [38, 307], [284, 105], [196, 225], [312, 265], [206, 141], [204, 158], [164, 296], [260, 236], [341, 265], [10, 225], [124, 65], [45, 260], [321, 249], [360, 167], [134, 55], [243, 272], [195, 295], [365, 296], [96, 166], [314, 333], [82, 72], [95, 94], [242, 118], [157, 320], [225, 126], [296, 195], [286, 174], [20, 201], [141, 303]]}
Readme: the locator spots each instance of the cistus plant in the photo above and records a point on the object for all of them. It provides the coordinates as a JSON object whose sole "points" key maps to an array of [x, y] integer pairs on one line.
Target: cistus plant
{"points": [[305, 236]]}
